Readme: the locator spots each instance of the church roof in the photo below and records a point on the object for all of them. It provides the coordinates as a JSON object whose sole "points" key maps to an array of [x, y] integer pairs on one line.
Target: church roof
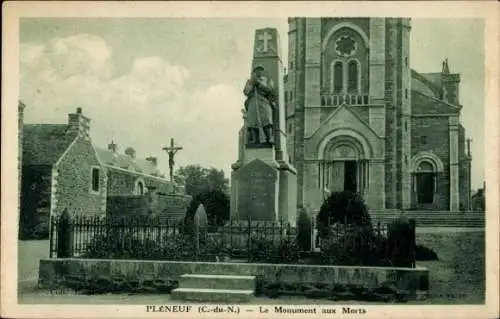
{"points": [[123, 161], [43, 144], [426, 83]]}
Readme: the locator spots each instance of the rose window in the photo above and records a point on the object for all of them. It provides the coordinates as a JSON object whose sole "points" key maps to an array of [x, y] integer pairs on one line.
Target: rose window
{"points": [[345, 46]]}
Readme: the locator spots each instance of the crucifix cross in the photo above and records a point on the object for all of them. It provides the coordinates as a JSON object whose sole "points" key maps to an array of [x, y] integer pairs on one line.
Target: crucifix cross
{"points": [[265, 37], [171, 151]]}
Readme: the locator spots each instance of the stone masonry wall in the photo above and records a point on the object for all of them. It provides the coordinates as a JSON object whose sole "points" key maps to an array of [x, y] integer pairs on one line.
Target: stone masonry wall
{"points": [[72, 181], [122, 182], [299, 108], [435, 130], [413, 280], [391, 87]]}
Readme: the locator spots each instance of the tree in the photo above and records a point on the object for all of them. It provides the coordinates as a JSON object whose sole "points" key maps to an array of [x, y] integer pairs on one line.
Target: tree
{"points": [[342, 207], [200, 180], [216, 205]]}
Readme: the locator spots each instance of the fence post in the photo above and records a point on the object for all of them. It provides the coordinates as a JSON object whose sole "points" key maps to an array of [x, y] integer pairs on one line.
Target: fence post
{"points": [[249, 239], [413, 243], [64, 236], [52, 249], [196, 235]]}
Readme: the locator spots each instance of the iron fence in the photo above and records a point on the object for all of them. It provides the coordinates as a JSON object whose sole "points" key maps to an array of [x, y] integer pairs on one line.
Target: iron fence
{"points": [[83, 236]]}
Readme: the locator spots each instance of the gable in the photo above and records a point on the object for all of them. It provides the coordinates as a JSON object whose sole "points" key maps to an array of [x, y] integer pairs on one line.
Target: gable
{"points": [[345, 121], [44, 144], [423, 104]]}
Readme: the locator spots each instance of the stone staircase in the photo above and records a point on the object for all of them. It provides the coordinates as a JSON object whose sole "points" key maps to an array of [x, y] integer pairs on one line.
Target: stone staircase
{"points": [[433, 218], [220, 288]]}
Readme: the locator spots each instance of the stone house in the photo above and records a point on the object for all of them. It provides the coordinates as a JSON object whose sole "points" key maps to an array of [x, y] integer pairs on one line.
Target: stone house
{"points": [[60, 170], [358, 118], [129, 175], [135, 186]]}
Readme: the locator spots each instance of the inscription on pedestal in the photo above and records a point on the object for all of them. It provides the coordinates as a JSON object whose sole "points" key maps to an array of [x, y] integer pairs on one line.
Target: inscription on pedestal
{"points": [[257, 191]]}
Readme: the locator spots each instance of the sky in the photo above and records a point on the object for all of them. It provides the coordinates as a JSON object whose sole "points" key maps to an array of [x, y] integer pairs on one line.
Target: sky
{"points": [[142, 81]]}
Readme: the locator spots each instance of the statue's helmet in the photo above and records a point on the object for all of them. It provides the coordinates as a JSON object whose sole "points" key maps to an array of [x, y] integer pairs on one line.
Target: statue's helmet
{"points": [[258, 67]]}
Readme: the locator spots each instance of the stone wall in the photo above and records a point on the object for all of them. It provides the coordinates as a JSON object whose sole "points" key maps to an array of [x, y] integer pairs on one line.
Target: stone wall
{"points": [[168, 206], [415, 280], [432, 134], [123, 182], [72, 184]]}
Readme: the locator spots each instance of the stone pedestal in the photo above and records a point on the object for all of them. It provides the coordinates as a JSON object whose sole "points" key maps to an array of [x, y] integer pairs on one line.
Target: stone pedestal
{"points": [[262, 188], [263, 182]]}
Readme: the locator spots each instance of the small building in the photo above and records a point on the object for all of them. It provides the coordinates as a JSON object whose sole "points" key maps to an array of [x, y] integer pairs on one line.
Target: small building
{"points": [[135, 186], [60, 170], [130, 175]]}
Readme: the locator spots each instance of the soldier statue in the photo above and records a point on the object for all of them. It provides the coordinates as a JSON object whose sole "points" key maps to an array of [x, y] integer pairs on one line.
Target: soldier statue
{"points": [[259, 108]]}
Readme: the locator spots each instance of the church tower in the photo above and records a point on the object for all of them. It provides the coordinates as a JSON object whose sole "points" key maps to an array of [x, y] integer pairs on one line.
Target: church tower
{"points": [[348, 109]]}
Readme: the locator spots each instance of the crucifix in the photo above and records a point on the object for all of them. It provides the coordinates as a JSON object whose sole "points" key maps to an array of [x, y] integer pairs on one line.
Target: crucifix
{"points": [[265, 37], [171, 151]]}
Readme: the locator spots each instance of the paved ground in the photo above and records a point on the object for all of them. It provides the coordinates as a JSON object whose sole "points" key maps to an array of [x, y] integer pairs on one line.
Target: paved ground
{"points": [[29, 253], [458, 277]]}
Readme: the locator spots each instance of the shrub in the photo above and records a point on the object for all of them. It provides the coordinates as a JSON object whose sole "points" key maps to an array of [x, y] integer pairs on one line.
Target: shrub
{"points": [[425, 253], [401, 241], [216, 204], [342, 207], [304, 228], [352, 246], [122, 245], [266, 250]]}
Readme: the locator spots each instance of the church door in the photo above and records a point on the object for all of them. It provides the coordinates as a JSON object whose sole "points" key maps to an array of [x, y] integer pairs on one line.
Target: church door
{"points": [[337, 177], [425, 188], [350, 176]]}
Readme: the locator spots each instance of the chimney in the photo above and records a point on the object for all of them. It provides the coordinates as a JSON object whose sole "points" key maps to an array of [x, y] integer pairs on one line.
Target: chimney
{"points": [[130, 152], [112, 147], [153, 160], [78, 123]]}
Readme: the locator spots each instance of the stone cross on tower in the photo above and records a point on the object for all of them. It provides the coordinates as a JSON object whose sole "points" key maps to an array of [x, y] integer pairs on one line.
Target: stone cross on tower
{"points": [[171, 151], [264, 39]]}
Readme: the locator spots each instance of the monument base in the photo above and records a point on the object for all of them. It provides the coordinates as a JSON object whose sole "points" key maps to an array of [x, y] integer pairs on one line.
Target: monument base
{"points": [[263, 189]]}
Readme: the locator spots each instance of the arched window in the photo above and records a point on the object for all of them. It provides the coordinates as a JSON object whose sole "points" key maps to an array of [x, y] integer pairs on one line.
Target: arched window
{"points": [[139, 188], [353, 76], [338, 77], [425, 183]]}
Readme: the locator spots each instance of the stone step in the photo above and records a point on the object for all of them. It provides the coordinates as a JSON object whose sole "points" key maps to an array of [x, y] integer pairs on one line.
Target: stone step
{"points": [[206, 295], [217, 281]]}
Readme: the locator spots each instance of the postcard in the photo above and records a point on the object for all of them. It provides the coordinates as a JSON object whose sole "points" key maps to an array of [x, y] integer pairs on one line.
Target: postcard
{"points": [[250, 159]]}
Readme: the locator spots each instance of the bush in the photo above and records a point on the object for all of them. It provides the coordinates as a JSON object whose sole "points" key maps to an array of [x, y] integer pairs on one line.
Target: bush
{"points": [[352, 246], [265, 250], [342, 207], [37, 228], [425, 253], [401, 241], [304, 230], [122, 245], [216, 204]]}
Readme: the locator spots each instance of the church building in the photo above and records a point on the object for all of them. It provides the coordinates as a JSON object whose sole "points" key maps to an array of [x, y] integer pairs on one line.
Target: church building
{"points": [[359, 118]]}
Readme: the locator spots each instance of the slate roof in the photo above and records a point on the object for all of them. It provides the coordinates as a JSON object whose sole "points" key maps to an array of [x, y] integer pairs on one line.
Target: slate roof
{"points": [[426, 83], [123, 161], [43, 144]]}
